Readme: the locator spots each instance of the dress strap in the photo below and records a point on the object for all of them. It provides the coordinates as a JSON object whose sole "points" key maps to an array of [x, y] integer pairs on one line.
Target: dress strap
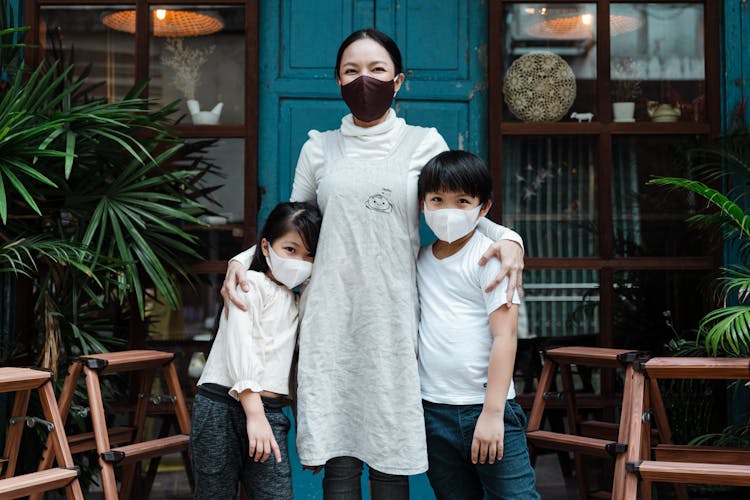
{"points": [[413, 137], [332, 146]]}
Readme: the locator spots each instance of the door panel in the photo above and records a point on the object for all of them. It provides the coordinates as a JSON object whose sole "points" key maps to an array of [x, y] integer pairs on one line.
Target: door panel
{"points": [[443, 46]]}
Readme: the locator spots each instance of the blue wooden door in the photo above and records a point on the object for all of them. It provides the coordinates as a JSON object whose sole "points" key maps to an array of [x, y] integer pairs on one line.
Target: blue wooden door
{"points": [[443, 44]]}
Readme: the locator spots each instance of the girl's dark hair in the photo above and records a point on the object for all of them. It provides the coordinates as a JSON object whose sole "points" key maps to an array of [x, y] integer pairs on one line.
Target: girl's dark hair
{"points": [[303, 217], [384, 40], [456, 171]]}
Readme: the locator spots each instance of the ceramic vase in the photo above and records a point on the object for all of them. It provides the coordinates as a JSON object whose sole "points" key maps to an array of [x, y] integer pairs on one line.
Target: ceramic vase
{"points": [[204, 117], [623, 111]]}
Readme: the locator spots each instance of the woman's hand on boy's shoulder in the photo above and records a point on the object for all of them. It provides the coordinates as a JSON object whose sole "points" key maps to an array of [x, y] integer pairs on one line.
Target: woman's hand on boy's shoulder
{"points": [[236, 274], [510, 255]]}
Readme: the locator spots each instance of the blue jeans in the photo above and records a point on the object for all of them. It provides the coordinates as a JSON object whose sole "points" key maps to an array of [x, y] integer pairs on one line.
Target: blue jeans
{"points": [[450, 430]]}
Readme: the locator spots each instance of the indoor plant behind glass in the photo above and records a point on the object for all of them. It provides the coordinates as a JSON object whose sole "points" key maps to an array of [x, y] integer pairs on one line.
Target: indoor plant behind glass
{"points": [[625, 94], [626, 88]]}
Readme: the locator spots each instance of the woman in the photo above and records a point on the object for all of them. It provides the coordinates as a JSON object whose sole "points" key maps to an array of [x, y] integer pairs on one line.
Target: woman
{"points": [[358, 388]]}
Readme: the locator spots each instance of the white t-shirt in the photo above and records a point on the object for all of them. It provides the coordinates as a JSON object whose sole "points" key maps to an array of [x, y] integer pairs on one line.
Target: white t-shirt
{"points": [[454, 331], [253, 349]]}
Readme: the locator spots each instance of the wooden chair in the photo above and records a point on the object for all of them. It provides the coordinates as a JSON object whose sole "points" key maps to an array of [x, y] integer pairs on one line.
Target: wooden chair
{"points": [[127, 455], [644, 463], [578, 439], [22, 381]]}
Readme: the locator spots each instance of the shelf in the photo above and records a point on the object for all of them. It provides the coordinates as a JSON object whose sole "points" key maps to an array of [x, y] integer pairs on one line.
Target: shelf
{"points": [[621, 263], [210, 267], [211, 131], [596, 128]]}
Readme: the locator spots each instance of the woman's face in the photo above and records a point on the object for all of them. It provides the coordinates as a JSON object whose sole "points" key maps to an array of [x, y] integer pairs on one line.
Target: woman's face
{"points": [[367, 57]]}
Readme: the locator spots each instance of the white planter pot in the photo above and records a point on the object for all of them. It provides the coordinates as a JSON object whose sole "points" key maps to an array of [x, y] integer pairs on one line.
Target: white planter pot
{"points": [[623, 111]]}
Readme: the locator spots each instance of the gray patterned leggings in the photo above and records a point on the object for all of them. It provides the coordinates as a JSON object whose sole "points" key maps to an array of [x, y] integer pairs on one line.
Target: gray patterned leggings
{"points": [[219, 451]]}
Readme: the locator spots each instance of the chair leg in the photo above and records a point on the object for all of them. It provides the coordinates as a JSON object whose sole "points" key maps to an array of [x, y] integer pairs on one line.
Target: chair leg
{"points": [[98, 421], [141, 409], [58, 438], [15, 431], [572, 411], [66, 398], [635, 430], [622, 435]]}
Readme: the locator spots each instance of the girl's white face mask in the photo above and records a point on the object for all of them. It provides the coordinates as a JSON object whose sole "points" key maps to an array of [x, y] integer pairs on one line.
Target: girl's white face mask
{"points": [[290, 272], [451, 224]]}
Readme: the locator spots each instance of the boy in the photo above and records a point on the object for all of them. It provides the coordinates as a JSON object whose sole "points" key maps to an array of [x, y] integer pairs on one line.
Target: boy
{"points": [[476, 444]]}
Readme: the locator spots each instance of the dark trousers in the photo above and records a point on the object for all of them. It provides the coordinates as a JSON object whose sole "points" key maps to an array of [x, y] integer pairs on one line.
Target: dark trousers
{"points": [[342, 482], [219, 451]]}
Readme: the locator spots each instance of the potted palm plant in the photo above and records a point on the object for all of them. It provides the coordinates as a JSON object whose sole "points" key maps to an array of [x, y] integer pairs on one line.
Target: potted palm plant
{"points": [[94, 197], [725, 330]]}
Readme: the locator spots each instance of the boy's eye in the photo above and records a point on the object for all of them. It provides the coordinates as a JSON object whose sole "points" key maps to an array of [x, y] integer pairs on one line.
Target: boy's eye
{"points": [[464, 200], [436, 199]]}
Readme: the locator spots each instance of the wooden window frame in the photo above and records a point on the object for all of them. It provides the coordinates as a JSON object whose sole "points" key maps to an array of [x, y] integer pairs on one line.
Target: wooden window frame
{"points": [[247, 131], [607, 263]]}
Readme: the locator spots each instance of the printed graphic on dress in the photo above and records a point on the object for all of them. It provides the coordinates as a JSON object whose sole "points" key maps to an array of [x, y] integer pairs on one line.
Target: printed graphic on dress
{"points": [[380, 202]]}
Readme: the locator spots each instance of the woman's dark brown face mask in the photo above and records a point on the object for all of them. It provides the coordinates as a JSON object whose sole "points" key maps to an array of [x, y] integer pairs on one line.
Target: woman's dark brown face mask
{"points": [[368, 98]]}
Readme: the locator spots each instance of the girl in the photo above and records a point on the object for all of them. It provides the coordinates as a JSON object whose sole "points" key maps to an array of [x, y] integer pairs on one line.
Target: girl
{"points": [[237, 419], [358, 385]]}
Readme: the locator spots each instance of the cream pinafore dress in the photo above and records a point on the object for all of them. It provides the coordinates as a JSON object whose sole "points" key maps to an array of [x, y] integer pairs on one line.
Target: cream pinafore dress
{"points": [[358, 381]]}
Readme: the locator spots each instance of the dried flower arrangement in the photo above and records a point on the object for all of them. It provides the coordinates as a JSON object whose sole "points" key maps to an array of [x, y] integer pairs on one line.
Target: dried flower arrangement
{"points": [[186, 63], [627, 88]]}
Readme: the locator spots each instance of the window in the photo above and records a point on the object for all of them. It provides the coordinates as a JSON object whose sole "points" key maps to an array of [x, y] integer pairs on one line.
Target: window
{"points": [[204, 53], [607, 255]]}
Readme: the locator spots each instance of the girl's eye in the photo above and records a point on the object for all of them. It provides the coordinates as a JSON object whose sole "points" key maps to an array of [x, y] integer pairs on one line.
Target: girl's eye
{"points": [[436, 199], [289, 249], [463, 200]]}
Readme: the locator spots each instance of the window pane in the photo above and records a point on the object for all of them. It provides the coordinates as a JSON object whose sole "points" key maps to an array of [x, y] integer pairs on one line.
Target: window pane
{"points": [[77, 35], [201, 303], [223, 238], [659, 50], [564, 30], [650, 307], [559, 303], [651, 220], [550, 194], [198, 53]]}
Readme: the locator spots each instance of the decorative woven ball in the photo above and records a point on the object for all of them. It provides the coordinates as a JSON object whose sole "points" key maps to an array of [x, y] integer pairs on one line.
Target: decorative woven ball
{"points": [[539, 87]]}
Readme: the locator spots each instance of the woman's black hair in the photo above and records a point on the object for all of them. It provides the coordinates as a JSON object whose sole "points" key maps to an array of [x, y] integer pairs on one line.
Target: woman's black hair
{"points": [[456, 171], [303, 217], [384, 40]]}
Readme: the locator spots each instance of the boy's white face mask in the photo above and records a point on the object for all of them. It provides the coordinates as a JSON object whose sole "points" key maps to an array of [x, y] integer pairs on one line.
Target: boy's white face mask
{"points": [[451, 224], [290, 272]]}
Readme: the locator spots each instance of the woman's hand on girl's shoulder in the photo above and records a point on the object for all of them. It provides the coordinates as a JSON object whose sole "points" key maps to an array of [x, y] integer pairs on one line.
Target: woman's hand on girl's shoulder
{"points": [[236, 274]]}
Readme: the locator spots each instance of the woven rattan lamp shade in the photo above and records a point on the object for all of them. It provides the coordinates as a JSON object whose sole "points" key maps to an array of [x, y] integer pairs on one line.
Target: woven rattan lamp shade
{"points": [[573, 28], [176, 23]]}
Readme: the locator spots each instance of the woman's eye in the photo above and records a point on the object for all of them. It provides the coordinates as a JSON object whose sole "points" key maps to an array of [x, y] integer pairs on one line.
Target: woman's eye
{"points": [[350, 72]]}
